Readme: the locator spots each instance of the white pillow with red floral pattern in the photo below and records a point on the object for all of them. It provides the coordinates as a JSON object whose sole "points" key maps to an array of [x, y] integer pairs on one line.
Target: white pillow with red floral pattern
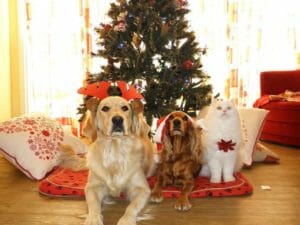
{"points": [[31, 143]]}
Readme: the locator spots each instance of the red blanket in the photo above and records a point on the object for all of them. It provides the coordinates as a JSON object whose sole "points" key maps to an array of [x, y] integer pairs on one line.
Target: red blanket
{"points": [[290, 96]]}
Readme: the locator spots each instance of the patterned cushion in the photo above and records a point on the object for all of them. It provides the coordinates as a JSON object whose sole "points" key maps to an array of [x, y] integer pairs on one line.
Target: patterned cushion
{"points": [[31, 143]]}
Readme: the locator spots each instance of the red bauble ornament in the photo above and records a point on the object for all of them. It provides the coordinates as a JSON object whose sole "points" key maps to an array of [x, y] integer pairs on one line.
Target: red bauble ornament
{"points": [[121, 26], [188, 64], [152, 2], [181, 3], [106, 27]]}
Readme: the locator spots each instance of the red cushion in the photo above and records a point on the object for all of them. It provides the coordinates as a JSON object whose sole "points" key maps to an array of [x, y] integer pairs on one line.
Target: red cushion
{"points": [[67, 183], [287, 112], [282, 124]]}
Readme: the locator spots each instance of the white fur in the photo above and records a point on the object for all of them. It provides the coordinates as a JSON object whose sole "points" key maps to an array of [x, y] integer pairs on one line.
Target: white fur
{"points": [[222, 122]]}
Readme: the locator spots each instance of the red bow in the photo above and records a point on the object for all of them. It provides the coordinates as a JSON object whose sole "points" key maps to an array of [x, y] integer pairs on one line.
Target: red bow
{"points": [[99, 90], [226, 145]]}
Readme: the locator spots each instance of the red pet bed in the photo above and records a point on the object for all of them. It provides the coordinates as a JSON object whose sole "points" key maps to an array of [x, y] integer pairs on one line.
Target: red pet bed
{"points": [[66, 183]]}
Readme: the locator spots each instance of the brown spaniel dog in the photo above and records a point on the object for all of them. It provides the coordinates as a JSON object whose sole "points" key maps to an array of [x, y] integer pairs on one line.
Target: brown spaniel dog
{"points": [[180, 158]]}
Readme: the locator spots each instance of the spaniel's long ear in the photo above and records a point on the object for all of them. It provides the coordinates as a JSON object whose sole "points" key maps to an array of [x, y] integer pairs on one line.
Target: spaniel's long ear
{"points": [[139, 124], [195, 140], [167, 144]]}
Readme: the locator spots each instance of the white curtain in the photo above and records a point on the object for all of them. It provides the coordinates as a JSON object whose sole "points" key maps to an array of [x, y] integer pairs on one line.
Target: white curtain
{"points": [[243, 37], [54, 56]]}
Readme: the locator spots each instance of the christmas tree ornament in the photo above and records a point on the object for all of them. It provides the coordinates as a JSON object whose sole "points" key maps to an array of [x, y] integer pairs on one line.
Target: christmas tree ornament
{"points": [[136, 40], [187, 64], [152, 2], [168, 65], [106, 27], [121, 45], [121, 26], [187, 80], [164, 19], [164, 29], [181, 3], [142, 47], [122, 16], [121, 1]]}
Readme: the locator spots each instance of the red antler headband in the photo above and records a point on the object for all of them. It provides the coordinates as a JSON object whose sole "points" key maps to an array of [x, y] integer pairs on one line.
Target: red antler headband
{"points": [[99, 90]]}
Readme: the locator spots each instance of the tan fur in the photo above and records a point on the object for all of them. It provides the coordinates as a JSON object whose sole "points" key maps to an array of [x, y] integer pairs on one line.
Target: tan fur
{"points": [[118, 161], [180, 160], [89, 125], [70, 160]]}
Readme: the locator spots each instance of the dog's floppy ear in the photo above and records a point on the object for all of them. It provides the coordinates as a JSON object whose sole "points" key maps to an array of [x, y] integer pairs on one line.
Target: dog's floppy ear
{"points": [[137, 106], [139, 125], [194, 134], [167, 144], [92, 105], [89, 125]]}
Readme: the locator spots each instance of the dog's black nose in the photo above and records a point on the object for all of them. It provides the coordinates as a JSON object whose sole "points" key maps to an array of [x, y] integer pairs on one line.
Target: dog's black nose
{"points": [[176, 123], [117, 120]]}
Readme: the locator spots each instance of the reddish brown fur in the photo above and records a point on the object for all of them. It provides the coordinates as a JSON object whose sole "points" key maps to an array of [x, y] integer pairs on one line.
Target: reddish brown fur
{"points": [[180, 159]]}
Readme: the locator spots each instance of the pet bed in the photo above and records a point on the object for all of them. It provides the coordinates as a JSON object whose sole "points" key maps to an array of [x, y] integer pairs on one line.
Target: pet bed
{"points": [[67, 183]]}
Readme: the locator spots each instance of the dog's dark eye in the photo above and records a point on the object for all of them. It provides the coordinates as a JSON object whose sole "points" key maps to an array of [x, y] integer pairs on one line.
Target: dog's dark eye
{"points": [[105, 108], [125, 108], [171, 117], [185, 118]]}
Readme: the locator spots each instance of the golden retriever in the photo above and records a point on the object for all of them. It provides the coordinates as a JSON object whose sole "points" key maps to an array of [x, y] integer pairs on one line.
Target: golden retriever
{"points": [[119, 159]]}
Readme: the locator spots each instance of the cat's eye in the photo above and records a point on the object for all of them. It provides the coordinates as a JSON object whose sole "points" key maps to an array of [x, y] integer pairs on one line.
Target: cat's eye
{"points": [[229, 107], [125, 108], [105, 109], [219, 108], [185, 118]]}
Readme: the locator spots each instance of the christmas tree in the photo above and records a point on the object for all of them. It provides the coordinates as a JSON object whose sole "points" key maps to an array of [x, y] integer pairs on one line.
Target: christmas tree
{"points": [[148, 43]]}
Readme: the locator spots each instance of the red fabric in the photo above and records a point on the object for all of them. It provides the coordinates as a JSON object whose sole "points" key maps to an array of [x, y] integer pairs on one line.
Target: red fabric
{"points": [[261, 101], [99, 90], [276, 82], [67, 183], [282, 123]]}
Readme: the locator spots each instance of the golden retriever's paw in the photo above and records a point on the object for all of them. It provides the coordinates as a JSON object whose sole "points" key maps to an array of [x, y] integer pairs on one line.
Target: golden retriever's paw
{"points": [[156, 197], [182, 205], [126, 220], [93, 220]]}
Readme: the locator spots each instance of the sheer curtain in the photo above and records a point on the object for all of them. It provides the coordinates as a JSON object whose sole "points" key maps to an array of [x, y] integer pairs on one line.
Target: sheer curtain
{"points": [[59, 38], [54, 50], [244, 37]]}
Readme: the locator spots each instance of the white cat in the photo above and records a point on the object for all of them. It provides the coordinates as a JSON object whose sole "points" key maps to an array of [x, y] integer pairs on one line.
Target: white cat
{"points": [[221, 140]]}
